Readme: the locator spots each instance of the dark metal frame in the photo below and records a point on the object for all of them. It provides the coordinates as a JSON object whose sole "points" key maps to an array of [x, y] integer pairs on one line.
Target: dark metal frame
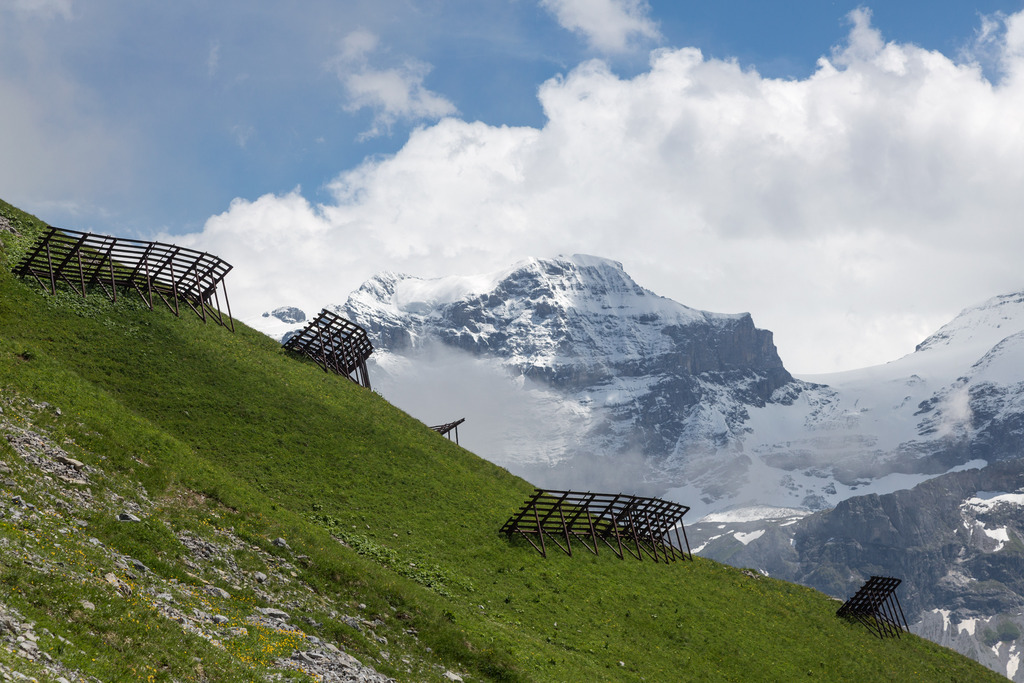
{"points": [[876, 606], [447, 428], [335, 344], [174, 274], [637, 525]]}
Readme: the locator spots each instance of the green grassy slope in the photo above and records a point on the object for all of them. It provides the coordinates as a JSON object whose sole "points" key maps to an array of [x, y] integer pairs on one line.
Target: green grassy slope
{"points": [[216, 433]]}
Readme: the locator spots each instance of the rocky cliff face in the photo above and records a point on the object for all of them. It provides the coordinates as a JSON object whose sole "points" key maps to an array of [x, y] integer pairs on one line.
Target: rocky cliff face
{"points": [[955, 541], [568, 322]]}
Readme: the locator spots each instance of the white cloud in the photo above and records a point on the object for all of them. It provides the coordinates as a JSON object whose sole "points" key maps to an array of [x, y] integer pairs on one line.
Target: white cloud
{"points": [[213, 60], [853, 211], [45, 8], [242, 134], [357, 45], [281, 247], [607, 25], [394, 94], [998, 45]]}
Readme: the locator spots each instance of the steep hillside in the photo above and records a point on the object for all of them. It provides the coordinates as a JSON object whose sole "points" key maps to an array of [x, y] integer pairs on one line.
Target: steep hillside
{"points": [[183, 503]]}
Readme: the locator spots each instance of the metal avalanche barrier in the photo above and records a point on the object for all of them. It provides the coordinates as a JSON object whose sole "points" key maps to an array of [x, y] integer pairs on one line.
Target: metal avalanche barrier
{"points": [[876, 606], [335, 344], [625, 524], [175, 275]]}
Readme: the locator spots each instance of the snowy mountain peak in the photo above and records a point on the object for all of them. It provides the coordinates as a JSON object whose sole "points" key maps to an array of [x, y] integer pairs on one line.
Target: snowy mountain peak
{"points": [[564, 282], [617, 372], [979, 328], [578, 312]]}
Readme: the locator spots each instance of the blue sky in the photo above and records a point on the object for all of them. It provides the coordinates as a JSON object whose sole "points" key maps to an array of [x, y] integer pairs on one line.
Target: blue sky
{"points": [[236, 99], [832, 201]]}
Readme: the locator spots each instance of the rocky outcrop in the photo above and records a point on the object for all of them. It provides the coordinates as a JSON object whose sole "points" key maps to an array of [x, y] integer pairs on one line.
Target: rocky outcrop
{"points": [[287, 314], [6, 226]]}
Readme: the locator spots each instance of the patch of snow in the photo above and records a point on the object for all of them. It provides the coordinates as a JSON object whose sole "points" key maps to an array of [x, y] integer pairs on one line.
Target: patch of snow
{"points": [[754, 513], [859, 422], [1001, 365], [419, 295], [272, 326], [746, 538], [984, 501], [1012, 663], [890, 483], [1000, 535], [968, 626], [705, 543], [945, 617], [979, 328], [978, 464]]}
